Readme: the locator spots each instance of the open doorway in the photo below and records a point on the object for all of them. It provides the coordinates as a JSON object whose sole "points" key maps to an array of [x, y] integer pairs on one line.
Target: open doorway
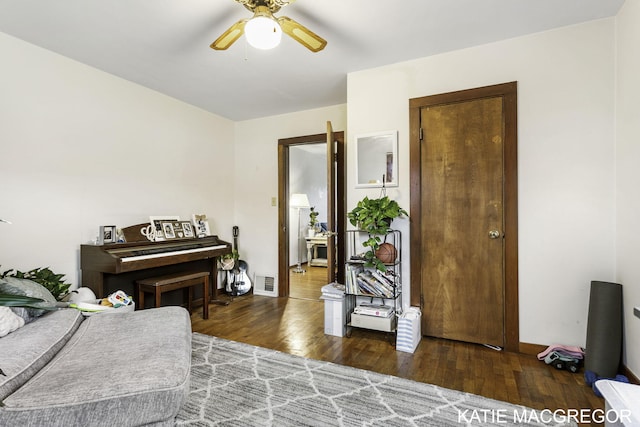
{"points": [[311, 174]]}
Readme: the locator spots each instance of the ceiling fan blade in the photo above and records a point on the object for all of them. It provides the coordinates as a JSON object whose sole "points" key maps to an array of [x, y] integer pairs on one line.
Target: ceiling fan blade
{"points": [[302, 34], [227, 38]]}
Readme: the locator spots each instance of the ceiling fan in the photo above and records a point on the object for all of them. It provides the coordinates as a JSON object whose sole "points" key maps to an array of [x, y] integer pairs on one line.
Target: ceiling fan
{"points": [[264, 30]]}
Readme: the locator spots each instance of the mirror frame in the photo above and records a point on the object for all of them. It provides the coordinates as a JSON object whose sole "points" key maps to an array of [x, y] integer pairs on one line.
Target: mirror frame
{"points": [[390, 136]]}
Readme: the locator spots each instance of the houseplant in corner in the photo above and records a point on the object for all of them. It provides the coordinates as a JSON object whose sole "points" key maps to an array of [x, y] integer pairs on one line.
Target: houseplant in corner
{"points": [[228, 261], [313, 221], [53, 282], [375, 216]]}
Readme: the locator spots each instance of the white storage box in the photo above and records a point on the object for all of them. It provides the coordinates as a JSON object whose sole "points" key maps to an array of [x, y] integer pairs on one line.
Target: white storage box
{"points": [[409, 333], [334, 316], [385, 324], [336, 307]]}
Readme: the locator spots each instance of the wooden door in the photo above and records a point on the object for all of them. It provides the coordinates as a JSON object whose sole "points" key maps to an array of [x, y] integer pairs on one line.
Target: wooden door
{"points": [[462, 226]]}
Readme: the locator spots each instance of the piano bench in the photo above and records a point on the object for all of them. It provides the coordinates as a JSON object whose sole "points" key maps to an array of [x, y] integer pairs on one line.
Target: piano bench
{"points": [[158, 285]]}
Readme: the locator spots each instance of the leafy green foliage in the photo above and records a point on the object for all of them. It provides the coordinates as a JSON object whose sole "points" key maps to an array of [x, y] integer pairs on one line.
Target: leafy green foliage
{"points": [[8, 300], [370, 256], [375, 216], [47, 278], [313, 217], [231, 255]]}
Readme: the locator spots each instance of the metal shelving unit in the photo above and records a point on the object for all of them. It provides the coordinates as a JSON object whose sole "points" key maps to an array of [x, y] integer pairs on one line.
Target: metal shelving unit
{"points": [[366, 285]]}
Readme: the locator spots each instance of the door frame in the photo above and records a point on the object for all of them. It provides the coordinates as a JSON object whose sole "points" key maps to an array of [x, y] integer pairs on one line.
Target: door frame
{"points": [[283, 205], [508, 92]]}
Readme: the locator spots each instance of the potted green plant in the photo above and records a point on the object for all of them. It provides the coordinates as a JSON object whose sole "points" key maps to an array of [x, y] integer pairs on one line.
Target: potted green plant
{"points": [[375, 216], [53, 282], [313, 221], [228, 261]]}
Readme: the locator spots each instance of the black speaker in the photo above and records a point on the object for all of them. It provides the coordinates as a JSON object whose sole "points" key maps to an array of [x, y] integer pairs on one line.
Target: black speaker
{"points": [[604, 329]]}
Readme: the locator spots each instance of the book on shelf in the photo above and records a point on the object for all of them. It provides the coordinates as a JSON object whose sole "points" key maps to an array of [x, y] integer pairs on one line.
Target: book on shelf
{"points": [[375, 286], [376, 310], [386, 278], [383, 281], [365, 288], [359, 280], [351, 274]]}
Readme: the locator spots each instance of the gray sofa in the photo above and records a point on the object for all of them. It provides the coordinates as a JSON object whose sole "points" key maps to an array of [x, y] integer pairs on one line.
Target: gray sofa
{"points": [[120, 369]]}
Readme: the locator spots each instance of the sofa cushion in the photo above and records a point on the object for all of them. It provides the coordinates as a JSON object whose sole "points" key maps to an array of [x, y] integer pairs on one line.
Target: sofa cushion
{"points": [[17, 286], [9, 321], [122, 369], [25, 351]]}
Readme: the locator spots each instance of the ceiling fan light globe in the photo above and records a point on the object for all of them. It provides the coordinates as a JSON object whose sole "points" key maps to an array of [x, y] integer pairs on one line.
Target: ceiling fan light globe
{"points": [[263, 32]]}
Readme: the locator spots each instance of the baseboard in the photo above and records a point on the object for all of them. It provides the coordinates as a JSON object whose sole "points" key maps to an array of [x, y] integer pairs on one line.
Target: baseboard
{"points": [[627, 373], [534, 349], [531, 349]]}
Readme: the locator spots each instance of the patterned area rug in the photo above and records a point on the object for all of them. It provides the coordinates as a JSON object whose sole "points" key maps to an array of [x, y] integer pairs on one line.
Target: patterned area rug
{"points": [[235, 384]]}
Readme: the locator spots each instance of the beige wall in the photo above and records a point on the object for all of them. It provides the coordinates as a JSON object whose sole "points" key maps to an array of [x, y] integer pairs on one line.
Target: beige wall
{"points": [[628, 175], [256, 179], [566, 158], [80, 148]]}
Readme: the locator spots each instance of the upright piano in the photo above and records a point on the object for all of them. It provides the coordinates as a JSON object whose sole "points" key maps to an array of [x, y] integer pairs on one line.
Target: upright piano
{"points": [[112, 267]]}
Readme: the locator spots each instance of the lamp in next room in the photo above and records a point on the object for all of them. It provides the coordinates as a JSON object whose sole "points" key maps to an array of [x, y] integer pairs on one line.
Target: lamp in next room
{"points": [[299, 201]]}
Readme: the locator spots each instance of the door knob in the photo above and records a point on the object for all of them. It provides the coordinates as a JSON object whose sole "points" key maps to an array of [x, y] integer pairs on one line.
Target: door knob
{"points": [[494, 234]]}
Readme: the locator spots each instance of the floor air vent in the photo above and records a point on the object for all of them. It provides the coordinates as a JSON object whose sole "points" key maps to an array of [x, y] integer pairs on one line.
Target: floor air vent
{"points": [[265, 285]]}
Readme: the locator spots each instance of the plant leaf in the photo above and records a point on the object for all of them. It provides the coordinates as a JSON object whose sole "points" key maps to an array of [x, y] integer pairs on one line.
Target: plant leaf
{"points": [[10, 300]]}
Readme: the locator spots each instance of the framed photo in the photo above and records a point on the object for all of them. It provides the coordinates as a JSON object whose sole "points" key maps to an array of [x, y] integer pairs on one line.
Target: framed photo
{"points": [[107, 234], [200, 225], [168, 230], [187, 230], [181, 229], [157, 221]]}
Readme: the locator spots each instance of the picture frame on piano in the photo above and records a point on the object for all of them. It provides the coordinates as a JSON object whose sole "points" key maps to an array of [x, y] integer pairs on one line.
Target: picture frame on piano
{"points": [[157, 221], [187, 229], [201, 225], [181, 230], [168, 230], [107, 234]]}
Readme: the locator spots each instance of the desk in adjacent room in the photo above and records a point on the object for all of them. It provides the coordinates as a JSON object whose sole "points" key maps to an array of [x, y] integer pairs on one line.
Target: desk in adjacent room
{"points": [[313, 243]]}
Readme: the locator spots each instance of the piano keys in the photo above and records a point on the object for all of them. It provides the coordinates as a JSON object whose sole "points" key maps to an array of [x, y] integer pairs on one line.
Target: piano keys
{"points": [[112, 267]]}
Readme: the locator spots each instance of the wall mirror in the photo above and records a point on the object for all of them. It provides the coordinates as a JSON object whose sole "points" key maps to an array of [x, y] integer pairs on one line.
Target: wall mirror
{"points": [[377, 159]]}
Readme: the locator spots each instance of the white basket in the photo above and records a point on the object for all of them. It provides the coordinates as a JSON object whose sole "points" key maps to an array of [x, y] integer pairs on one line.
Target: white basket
{"points": [[111, 310]]}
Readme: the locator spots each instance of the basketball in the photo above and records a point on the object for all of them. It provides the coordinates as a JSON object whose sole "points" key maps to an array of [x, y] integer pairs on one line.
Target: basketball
{"points": [[387, 253]]}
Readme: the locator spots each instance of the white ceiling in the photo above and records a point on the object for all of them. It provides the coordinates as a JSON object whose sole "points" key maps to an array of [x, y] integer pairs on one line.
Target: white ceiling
{"points": [[164, 44]]}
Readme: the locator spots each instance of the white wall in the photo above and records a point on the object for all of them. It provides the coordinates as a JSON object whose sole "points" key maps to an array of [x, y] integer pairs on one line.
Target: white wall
{"points": [[256, 180], [628, 175], [80, 148], [566, 161]]}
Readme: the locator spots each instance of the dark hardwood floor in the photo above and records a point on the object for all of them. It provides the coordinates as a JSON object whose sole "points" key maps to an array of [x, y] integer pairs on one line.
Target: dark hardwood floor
{"points": [[296, 326]]}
